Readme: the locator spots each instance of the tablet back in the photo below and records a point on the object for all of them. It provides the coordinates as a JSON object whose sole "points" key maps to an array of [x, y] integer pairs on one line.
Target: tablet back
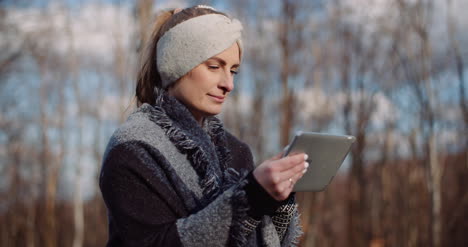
{"points": [[326, 154]]}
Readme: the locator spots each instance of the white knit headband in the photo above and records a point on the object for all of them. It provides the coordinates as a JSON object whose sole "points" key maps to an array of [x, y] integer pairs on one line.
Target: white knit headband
{"points": [[192, 42]]}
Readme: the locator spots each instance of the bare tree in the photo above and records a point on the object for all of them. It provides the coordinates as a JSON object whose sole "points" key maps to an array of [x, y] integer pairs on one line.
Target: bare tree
{"points": [[144, 14], [259, 60], [355, 64], [73, 70], [459, 66], [421, 81], [290, 28], [49, 165], [12, 51]]}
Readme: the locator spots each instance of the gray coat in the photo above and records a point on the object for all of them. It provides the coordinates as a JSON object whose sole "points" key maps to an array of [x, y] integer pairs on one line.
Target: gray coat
{"points": [[166, 181]]}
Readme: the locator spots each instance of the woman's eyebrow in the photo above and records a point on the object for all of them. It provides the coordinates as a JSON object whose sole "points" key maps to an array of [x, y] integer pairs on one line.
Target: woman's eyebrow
{"points": [[223, 63]]}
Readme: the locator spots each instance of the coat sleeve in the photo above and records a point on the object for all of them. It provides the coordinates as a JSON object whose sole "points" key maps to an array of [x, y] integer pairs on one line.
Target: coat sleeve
{"points": [[284, 215], [143, 210], [286, 222]]}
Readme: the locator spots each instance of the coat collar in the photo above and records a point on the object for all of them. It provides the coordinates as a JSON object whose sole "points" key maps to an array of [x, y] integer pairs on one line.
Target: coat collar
{"points": [[206, 147]]}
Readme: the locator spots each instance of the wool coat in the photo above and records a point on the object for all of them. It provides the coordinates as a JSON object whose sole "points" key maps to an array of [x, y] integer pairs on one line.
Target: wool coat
{"points": [[167, 181]]}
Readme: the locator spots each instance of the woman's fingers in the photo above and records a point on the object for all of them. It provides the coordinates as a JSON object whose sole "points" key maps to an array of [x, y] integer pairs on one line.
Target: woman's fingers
{"points": [[277, 175], [291, 162], [297, 176], [291, 173], [290, 181], [283, 185], [286, 168]]}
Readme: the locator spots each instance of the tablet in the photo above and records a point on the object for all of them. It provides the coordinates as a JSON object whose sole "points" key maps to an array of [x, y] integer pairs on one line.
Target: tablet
{"points": [[326, 154]]}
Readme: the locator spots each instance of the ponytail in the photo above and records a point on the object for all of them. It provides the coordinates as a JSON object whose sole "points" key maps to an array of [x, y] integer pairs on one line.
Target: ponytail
{"points": [[148, 78]]}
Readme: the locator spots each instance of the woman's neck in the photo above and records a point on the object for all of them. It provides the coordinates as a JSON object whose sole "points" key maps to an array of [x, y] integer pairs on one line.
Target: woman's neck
{"points": [[198, 117]]}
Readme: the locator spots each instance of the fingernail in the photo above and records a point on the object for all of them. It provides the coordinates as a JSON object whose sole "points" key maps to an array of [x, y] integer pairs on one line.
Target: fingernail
{"points": [[306, 164], [306, 156], [304, 171]]}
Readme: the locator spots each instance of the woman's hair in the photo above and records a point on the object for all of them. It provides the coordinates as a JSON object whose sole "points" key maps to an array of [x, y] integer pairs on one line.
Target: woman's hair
{"points": [[149, 83]]}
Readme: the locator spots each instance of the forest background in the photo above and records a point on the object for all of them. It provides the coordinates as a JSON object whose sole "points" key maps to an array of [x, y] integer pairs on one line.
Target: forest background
{"points": [[393, 73]]}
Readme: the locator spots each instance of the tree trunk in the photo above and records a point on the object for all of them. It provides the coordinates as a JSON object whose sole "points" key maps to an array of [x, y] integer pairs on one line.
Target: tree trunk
{"points": [[73, 67], [47, 164], [436, 174], [286, 121], [78, 215], [290, 44]]}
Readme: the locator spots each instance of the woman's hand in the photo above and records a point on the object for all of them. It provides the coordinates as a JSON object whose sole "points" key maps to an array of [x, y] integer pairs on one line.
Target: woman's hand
{"points": [[278, 175]]}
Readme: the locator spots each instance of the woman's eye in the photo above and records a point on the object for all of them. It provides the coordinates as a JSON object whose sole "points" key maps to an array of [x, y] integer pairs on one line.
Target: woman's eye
{"points": [[234, 72], [213, 66]]}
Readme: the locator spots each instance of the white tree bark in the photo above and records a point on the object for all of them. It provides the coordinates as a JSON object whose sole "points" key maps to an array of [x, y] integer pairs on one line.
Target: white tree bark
{"points": [[73, 67]]}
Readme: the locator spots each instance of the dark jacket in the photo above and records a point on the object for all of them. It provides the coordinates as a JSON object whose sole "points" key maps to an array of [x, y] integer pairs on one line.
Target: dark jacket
{"points": [[166, 181]]}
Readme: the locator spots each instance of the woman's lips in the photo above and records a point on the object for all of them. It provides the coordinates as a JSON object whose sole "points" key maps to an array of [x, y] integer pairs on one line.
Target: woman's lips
{"points": [[219, 99]]}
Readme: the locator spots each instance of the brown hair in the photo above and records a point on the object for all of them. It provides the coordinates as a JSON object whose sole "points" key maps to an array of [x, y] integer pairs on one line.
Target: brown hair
{"points": [[149, 84]]}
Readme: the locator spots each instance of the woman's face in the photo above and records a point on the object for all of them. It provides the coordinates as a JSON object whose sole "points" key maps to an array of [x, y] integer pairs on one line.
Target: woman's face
{"points": [[205, 88]]}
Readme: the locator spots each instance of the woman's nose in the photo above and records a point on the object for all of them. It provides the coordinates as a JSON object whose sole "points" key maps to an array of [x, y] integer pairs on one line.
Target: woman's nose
{"points": [[227, 82]]}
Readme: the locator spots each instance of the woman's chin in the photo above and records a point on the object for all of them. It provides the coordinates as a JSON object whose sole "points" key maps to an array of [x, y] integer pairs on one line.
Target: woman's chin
{"points": [[213, 111]]}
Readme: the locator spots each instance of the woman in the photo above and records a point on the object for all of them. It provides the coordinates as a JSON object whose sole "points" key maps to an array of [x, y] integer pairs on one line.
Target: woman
{"points": [[172, 175]]}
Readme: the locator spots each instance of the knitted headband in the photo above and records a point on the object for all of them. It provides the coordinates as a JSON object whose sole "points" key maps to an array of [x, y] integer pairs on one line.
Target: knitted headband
{"points": [[192, 42]]}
